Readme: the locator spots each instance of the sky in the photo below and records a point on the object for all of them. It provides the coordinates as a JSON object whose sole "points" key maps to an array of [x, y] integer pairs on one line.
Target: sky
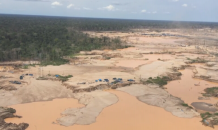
{"points": [[176, 10]]}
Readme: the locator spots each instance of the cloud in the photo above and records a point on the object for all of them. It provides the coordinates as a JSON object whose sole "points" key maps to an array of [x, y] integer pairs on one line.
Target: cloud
{"points": [[86, 8], [56, 3], [70, 5], [119, 3], [143, 11], [175, 0], [184, 5], [194, 7], [109, 8]]}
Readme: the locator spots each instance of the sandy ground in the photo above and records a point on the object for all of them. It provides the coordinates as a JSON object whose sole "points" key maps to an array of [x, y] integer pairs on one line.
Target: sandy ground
{"points": [[115, 117], [210, 72], [131, 63], [90, 78], [94, 103], [158, 68], [34, 92], [155, 40]]}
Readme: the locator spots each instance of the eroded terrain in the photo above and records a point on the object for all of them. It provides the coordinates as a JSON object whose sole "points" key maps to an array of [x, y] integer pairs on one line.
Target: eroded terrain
{"points": [[187, 67]]}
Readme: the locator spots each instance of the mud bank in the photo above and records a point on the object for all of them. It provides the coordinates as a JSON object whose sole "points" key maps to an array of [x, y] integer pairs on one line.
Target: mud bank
{"points": [[94, 103], [36, 90], [105, 86], [158, 68], [128, 113], [9, 113], [207, 73], [204, 106], [156, 96], [187, 90]]}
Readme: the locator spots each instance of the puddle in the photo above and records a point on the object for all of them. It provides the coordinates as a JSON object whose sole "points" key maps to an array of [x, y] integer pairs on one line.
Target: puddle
{"points": [[127, 114], [187, 91]]}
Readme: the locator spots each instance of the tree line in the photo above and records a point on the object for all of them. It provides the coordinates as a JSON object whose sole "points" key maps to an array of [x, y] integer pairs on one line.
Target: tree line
{"points": [[45, 39]]}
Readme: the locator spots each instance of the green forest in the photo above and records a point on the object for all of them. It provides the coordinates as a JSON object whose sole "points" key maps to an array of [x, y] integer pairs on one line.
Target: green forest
{"points": [[48, 39], [45, 39]]}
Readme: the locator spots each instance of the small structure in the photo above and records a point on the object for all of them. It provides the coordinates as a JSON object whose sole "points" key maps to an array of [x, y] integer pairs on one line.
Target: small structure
{"points": [[15, 82], [106, 80], [131, 80], [120, 79], [21, 77]]}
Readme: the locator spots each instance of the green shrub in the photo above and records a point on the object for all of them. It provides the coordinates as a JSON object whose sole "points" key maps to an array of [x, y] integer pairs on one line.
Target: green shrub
{"points": [[11, 110], [210, 92], [206, 115], [160, 81], [64, 78], [186, 105], [107, 58]]}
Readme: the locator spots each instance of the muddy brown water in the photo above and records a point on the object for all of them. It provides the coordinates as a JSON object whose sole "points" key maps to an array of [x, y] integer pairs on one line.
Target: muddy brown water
{"points": [[128, 114], [186, 89]]}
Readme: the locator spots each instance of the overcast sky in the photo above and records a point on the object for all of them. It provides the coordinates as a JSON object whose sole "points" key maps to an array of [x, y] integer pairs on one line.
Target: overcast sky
{"points": [[182, 10]]}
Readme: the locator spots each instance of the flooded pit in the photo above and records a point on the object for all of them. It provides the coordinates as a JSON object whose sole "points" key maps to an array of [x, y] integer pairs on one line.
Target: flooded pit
{"points": [[186, 89], [128, 114]]}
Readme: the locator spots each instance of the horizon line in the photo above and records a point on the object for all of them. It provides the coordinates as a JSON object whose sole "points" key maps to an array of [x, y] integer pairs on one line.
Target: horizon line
{"points": [[106, 18]]}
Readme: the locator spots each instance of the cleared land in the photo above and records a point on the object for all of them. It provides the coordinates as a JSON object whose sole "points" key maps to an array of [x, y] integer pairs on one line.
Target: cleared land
{"points": [[155, 55]]}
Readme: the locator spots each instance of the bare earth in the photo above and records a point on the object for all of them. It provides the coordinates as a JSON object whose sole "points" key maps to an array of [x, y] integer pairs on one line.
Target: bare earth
{"points": [[49, 105]]}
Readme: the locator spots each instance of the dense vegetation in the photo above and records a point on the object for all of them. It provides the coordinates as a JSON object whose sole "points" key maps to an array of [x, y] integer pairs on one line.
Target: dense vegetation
{"points": [[211, 92], [47, 39]]}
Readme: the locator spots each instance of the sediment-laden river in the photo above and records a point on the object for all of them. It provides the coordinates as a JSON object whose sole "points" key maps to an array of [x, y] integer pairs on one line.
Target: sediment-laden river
{"points": [[128, 114]]}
